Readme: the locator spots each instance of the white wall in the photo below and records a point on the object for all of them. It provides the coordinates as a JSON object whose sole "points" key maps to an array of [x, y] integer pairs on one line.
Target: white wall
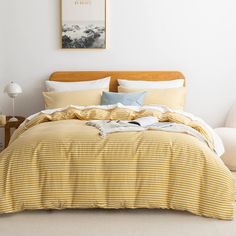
{"points": [[195, 37]]}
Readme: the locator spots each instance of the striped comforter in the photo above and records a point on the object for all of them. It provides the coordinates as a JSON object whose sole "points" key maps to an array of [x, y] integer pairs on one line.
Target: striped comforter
{"points": [[55, 161]]}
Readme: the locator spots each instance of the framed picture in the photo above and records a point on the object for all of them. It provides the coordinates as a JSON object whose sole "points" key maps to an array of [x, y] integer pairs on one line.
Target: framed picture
{"points": [[83, 24]]}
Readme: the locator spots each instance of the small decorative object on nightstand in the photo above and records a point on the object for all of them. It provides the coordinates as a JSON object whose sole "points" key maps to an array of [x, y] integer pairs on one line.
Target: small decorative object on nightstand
{"points": [[9, 125], [13, 90], [2, 119]]}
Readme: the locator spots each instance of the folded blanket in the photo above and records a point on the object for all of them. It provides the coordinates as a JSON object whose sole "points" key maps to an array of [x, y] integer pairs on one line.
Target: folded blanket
{"points": [[111, 126]]}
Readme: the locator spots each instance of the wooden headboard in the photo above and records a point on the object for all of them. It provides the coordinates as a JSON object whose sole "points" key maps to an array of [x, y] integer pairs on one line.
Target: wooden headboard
{"points": [[75, 76]]}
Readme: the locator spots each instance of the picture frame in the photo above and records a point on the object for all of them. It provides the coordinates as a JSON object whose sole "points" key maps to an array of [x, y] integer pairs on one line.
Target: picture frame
{"points": [[83, 24]]}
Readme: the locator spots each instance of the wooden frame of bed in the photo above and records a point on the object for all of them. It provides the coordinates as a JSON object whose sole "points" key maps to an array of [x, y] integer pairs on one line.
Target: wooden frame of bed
{"points": [[75, 76]]}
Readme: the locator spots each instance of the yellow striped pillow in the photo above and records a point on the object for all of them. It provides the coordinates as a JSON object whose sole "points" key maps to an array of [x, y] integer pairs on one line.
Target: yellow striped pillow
{"points": [[174, 98], [80, 98]]}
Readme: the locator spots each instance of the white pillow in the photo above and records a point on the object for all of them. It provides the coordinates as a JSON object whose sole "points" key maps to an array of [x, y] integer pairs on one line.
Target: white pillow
{"points": [[138, 84], [53, 86]]}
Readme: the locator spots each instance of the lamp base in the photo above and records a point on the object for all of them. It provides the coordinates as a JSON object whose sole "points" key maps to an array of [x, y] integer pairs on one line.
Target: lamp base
{"points": [[13, 119]]}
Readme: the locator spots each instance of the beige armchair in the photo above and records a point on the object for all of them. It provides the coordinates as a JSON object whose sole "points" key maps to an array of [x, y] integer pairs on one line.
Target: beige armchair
{"points": [[228, 136]]}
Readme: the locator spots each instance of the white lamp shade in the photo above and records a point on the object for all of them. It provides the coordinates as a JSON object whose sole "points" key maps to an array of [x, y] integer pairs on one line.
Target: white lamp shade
{"points": [[13, 89]]}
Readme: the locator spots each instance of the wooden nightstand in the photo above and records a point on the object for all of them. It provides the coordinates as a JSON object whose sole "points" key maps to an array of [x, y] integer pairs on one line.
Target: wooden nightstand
{"points": [[8, 126]]}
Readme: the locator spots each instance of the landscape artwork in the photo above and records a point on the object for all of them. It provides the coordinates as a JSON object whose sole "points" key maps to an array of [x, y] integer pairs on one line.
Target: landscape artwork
{"points": [[83, 24]]}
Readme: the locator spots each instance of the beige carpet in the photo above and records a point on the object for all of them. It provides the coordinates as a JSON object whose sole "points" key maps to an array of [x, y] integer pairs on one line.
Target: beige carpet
{"points": [[113, 223]]}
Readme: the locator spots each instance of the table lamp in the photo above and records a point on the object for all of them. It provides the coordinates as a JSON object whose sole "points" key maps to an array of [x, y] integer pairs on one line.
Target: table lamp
{"points": [[13, 90]]}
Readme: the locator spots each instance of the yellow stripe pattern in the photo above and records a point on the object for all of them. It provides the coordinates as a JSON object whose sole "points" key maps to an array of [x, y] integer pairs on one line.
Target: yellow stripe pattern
{"points": [[57, 162]]}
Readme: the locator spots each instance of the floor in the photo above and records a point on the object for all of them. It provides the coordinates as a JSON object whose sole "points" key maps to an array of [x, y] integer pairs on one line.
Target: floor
{"points": [[113, 223]]}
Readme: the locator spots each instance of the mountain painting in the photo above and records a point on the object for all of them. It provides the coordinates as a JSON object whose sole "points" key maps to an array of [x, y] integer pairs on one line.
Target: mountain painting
{"points": [[83, 24]]}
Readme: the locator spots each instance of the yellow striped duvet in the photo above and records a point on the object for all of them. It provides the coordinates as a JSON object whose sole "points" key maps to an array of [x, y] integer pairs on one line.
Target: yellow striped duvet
{"points": [[55, 162]]}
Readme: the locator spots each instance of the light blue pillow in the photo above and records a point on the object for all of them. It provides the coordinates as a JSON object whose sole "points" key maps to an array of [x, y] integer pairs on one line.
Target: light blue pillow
{"points": [[128, 99]]}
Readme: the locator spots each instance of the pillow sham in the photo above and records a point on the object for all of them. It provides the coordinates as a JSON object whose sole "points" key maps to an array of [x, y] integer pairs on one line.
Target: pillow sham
{"points": [[53, 86], [80, 98], [139, 84], [128, 99], [173, 98]]}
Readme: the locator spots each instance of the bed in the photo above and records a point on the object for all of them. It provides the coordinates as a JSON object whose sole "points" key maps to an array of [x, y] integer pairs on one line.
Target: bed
{"points": [[56, 161]]}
